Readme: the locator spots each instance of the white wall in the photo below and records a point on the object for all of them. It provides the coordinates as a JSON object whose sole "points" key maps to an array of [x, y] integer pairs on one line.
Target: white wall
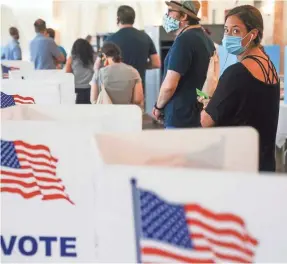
{"points": [[78, 18], [22, 14]]}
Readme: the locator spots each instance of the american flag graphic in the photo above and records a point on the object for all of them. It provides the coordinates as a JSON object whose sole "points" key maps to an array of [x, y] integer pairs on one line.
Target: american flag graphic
{"points": [[6, 69], [30, 171], [11, 100], [190, 233]]}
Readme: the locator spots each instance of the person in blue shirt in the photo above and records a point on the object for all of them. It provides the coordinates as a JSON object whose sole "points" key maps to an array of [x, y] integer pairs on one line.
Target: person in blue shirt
{"points": [[138, 49], [51, 34], [185, 66], [43, 50], [12, 51]]}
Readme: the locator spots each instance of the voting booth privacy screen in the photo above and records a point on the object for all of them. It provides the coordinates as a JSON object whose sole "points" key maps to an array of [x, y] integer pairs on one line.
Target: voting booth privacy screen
{"points": [[66, 81], [112, 118], [46, 193], [160, 215], [213, 149], [18, 92]]}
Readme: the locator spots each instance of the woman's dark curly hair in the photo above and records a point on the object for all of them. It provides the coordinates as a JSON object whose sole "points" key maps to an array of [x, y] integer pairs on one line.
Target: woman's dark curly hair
{"points": [[251, 18], [84, 51]]}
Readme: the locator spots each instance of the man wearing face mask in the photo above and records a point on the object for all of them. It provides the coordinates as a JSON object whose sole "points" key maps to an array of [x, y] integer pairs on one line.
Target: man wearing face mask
{"points": [[185, 66]]}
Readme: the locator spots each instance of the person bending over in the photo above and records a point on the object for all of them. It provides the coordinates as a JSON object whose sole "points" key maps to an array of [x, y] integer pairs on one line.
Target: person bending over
{"points": [[121, 81]]}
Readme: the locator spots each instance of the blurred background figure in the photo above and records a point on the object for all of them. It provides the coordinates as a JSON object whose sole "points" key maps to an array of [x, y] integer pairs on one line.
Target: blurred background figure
{"points": [[12, 51], [81, 64], [51, 33], [89, 38], [137, 47], [43, 50], [121, 81]]}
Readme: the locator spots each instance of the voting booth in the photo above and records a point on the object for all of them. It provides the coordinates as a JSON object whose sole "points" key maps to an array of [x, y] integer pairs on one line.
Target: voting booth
{"points": [[46, 93], [54, 199], [15, 65], [168, 215], [214, 149], [107, 118], [65, 80], [47, 209]]}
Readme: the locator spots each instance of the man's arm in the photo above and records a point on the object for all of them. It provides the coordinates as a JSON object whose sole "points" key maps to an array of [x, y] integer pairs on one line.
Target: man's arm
{"points": [[58, 56], [154, 59], [69, 65], [168, 88], [17, 53], [3, 53], [154, 62]]}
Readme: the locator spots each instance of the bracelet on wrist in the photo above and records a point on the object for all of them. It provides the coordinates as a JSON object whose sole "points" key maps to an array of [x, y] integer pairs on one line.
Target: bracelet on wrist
{"points": [[157, 108]]}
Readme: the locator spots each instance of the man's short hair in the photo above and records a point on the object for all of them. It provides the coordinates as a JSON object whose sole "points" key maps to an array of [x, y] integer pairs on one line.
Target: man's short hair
{"points": [[13, 31], [51, 33], [191, 21], [40, 25], [126, 15]]}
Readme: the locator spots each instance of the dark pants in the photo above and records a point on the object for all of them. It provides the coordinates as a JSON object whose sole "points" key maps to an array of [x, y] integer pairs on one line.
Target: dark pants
{"points": [[83, 96]]}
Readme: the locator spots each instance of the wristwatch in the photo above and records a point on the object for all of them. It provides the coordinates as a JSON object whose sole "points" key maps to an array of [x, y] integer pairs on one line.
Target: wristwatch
{"points": [[157, 108]]}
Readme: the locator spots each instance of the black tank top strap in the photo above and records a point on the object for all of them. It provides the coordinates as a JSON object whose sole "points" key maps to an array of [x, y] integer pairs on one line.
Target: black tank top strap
{"points": [[265, 72]]}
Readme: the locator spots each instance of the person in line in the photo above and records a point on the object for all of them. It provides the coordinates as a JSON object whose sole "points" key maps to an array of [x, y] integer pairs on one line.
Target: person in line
{"points": [[248, 91], [43, 50], [13, 50], [81, 64], [185, 66], [51, 33], [137, 47], [89, 38], [121, 81]]}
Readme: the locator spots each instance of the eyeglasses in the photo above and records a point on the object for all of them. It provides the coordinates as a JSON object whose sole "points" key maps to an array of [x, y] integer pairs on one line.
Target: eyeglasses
{"points": [[172, 10]]}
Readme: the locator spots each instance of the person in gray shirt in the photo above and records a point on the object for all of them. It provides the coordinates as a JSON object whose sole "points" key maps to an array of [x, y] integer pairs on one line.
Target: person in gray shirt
{"points": [[81, 65], [121, 81]]}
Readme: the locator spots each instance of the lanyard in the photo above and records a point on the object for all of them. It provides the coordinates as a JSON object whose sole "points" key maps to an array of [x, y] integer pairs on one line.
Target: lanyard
{"points": [[189, 27]]}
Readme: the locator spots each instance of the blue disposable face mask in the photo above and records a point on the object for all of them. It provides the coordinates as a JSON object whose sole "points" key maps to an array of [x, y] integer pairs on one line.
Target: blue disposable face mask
{"points": [[233, 44], [170, 24]]}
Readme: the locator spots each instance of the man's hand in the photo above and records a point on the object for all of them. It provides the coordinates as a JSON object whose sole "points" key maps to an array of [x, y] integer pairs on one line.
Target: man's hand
{"points": [[157, 114], [203, 101]]}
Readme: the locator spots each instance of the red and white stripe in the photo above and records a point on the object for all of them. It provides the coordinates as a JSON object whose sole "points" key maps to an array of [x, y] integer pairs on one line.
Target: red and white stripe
{"points": [[215, 238], [23, 100], [37, 175]]}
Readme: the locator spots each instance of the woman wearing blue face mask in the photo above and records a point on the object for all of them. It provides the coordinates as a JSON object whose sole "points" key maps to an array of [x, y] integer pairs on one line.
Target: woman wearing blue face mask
{"points": [[248, 91]]}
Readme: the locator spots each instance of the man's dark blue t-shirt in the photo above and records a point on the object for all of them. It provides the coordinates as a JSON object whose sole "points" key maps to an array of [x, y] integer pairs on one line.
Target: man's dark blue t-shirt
{"points": [[136, 47], [189, 56]]}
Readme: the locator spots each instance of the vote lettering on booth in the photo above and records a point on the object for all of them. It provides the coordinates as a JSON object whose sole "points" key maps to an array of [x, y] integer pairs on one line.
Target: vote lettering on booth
{"points": [[47, 212], [48, 178]]}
